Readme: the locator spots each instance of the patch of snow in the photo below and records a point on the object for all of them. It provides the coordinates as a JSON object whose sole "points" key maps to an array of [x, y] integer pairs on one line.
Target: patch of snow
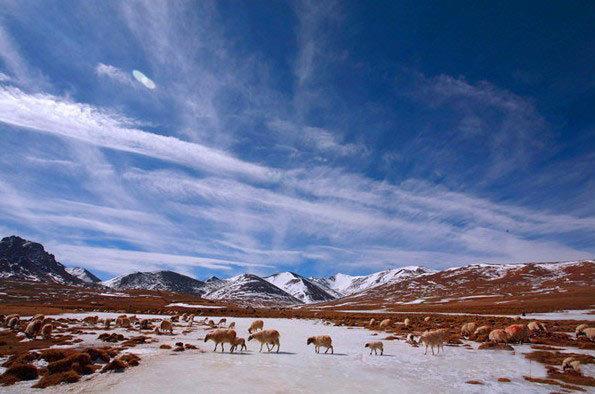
{"points": [[183, 305]]}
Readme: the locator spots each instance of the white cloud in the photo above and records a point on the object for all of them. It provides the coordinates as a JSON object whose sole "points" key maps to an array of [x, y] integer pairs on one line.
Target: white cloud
{"points": [[142, 78], [54, 115], [114, 73]]}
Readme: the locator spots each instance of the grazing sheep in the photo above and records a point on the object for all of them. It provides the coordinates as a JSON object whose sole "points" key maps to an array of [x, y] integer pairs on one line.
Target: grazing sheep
{"points": [[91, 320], [185, 317], [221, 336], [517, 333], [232, 325], [13, 323], [33, 328], [268, 337], [175, 318], [166, 326], [211, 323], [190, 320], [241, 342], [256, 325], [407, 322], [482, 330], [221, 322], [123, 322], [571, 363], [411, 340], [46, 331], [433, 338], [375, 346], [321, 341], [579, 329], [498, 336], [467, 329], [536, 326], [589, 333], [144, 324], [372, 322], [427, 319], [133, 319], [107, 322], [38, 317], [384, 323]]}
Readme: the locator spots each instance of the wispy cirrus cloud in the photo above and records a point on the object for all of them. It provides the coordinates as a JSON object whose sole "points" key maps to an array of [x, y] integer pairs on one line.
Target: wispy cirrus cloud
{"points": [[118, 75]]}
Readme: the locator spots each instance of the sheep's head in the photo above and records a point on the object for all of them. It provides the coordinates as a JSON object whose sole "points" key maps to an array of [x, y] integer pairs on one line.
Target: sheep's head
{"points": [[207, 337], [250, 338], [310, 340], [367, 345]]}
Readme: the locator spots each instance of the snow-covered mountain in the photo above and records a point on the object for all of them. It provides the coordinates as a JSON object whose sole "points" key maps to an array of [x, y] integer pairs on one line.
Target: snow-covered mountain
{"points": [[159, 280], [25, 260], [347, 284], [252, 289], [83, 274], [300, 287]]}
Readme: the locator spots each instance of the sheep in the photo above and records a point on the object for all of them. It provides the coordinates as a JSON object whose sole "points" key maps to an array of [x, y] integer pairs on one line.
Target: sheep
{"points": [[144, 324], [498, 336], [38, 317], [185, 317], [536, 326], [166, 326], [571, 363], [211, 323], [241, 342], [33, 328], [13, 318], [467, 329], [46, 331], [407, 322], [221, 322], [482, 330], [47, 320], [384, 323], [517, 333], [13, 323], [175, 318], [589, 333], [372, 322], [411, 340], [91, 320], [107, 322], [427, 319], [123, 322], [268, 337], [133, 319], [375, 346], [190, 320], [321, 341], [256, 325], [232, 325], [433, 338], [221, 336], [578, 332]]}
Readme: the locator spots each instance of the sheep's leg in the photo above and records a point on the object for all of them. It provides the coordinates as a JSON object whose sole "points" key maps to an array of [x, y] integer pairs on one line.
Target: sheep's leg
{"points": [[382, 352], [222, 349], [278, 347], [332, 350], [216, 344], [426, 352], [260, 351]]}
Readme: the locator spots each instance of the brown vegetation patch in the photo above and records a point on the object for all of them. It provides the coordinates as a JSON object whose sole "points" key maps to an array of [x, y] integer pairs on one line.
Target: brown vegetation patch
{"points": [[164, 346], [18, 372], [570, 376], [504, 380], [553, 382], [556, 358], [113, 337], [474, 382], [69, 376]]}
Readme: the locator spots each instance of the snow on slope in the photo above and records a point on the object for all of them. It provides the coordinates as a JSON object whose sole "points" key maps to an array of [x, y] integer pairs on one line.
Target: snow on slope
{"points": [[159, 280], [347, 284], [83, 274], [252, 289], [299, 287]]}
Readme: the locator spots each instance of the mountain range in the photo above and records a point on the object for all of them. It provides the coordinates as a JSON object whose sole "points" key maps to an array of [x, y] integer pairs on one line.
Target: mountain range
{"points": [[25, 260]]}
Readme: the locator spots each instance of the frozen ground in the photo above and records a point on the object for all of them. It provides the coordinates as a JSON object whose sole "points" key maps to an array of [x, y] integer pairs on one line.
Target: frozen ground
{"points": [[297, 368]]}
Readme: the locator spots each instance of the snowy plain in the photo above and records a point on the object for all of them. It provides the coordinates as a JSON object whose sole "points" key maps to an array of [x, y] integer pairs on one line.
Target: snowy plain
{"points": [[297, 368]]}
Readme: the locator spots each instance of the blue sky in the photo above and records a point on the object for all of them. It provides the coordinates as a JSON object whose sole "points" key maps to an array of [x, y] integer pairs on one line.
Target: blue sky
{"points": [[224, 137]]}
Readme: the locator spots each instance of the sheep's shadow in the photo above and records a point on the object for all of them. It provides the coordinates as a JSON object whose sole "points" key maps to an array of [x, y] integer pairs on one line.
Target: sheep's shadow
{"points": [[285, 353], [333, 354]]}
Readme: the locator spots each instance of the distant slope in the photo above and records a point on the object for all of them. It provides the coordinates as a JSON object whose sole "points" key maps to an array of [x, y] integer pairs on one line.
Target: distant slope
{"points": [[491, 285], [254, 290], [300, 287], [159, 280], [83, 274], [347, 284], [25, 260]]}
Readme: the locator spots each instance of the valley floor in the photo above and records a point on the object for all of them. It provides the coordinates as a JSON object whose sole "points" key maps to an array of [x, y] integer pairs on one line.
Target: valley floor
{"points": [[297, 368]]}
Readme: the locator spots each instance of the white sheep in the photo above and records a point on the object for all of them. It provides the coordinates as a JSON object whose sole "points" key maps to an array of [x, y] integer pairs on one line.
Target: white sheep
{"points": [[467, 329], [384, 323], [321, 341], [221, 336], [571, 363], [33, 328], [256, 325], [375, 346], [536, 326], [498, 336], [46, 331], [268, 337]]}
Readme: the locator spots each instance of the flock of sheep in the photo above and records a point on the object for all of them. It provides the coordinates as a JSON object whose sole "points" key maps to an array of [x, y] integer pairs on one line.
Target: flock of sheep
{"points": [[41, 325]]}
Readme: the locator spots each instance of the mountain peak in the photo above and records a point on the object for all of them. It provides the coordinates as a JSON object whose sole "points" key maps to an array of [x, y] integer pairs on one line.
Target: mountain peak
{"points": [[83, 274]]}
